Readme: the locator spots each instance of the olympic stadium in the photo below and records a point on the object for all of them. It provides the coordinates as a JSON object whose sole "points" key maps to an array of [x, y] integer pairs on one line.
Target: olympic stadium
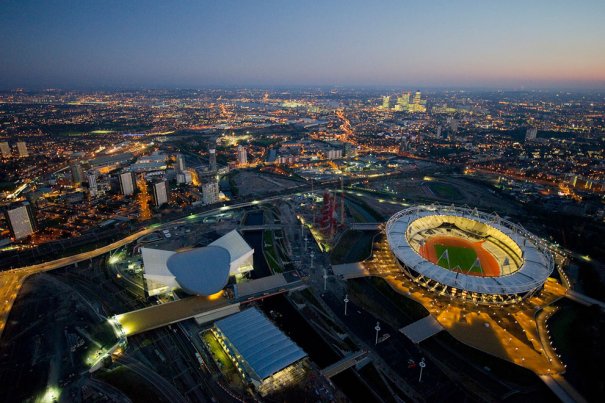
{"points": [[468, 255]]}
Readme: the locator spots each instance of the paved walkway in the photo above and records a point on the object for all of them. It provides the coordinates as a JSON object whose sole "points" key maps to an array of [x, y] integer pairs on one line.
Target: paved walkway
{"points": [[422, 329]]}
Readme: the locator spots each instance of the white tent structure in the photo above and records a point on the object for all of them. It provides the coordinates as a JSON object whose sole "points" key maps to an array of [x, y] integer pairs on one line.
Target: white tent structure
{"points": [[202, 266], [241, 253], [159, 279]]}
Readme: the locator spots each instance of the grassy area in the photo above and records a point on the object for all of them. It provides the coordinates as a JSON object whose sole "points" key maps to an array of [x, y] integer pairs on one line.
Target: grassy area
{"points": [[353, 246], [360, 211], [131, 384], [270, 252], [445, 190], [459, 357], [411, 308], [577, 332], [459, 257], [103, 334], [218, 353], [375, 295]]}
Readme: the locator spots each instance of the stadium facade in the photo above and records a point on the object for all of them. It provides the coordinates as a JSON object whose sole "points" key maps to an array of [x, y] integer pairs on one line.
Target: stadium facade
{"points": [[468, 255]]}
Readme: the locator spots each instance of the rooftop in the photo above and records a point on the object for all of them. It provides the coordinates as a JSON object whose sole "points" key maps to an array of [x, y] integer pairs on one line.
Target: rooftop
{"points": [[201, 271], [259, 342]]}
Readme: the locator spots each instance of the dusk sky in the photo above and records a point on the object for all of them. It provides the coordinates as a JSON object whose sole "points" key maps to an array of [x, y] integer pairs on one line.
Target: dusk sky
{"points": [[125, 44]]}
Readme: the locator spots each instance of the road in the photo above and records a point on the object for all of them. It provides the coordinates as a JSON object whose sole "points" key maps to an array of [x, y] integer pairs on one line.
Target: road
{"points": [[12, 280], [584, 299]]}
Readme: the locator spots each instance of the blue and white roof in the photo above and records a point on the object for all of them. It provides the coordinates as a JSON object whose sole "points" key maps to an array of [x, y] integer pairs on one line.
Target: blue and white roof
{"points": [[201, 271], [537, 263], [264, 347], [198, 271]]}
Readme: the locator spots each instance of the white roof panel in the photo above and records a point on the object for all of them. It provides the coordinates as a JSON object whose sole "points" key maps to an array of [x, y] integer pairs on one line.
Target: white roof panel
{"points": [[235, 244]]}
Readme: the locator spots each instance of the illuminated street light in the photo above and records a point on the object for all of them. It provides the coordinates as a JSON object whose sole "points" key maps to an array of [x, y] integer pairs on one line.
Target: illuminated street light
{"points": [[346, 300], [422, 365]]}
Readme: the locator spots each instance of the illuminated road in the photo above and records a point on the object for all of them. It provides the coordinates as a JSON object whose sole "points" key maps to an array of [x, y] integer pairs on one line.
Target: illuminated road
{"points": [[346, 124], [143, 199], [12, 280]]}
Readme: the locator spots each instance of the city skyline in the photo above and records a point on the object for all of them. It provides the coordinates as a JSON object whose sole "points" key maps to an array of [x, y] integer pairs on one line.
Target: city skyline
{"points": [[280, 201], [199, 44]]}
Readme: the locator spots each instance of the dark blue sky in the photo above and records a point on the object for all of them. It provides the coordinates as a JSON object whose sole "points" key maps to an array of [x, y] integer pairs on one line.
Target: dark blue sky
{"points": [[456, 43]]}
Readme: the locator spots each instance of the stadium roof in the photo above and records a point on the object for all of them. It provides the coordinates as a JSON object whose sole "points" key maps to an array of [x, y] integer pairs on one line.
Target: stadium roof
{"points": [[201, 271], [537, 265], [259, 342]]}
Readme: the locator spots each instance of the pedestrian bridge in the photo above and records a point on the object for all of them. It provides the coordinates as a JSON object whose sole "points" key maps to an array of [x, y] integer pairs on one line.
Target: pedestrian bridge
{"points": [[344, 364], [350, 270], [583, 299], [261, 227], [203, 309], [365, 226]]}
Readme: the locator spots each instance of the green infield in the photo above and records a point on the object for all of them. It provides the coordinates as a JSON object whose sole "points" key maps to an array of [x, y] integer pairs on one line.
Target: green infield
{"points": [[460, 258]]}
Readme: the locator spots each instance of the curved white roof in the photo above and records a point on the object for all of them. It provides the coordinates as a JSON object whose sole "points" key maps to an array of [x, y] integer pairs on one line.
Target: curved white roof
{"points": [[201, 271], [240, 251], [537, 261]]}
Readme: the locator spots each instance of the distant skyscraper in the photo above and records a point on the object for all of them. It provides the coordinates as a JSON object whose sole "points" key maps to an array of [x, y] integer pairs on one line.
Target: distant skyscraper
{"points": [[93, 187], [242, 155], [127, 183], [180, 163], [531, 134], [210, 192], [21, 221], [386, 102], [417, 105], [417, 96], [77, 175], [160, 193], [5, 149], [212, 157], [22, 148], [403, 102]]}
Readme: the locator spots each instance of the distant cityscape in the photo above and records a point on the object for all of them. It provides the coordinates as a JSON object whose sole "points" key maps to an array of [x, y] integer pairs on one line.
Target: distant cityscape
{"points": [[314, 201], [326, 244], [110, 158]]}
